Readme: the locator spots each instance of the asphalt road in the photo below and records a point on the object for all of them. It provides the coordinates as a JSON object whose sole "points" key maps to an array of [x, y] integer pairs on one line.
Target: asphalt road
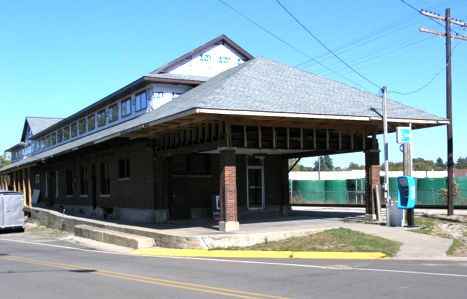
{"points": [[45, 267]]}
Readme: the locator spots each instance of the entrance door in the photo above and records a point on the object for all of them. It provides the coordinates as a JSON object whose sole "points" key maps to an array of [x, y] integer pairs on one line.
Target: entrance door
{"points": [[180, 201], [255, 187]]}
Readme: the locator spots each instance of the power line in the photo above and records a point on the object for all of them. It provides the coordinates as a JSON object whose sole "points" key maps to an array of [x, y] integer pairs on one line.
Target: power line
{"points": [[418, 10], [322, 44], [287, 43]]}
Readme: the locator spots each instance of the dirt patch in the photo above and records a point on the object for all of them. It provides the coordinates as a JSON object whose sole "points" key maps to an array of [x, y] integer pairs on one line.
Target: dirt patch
{"points": [[43, 231]]}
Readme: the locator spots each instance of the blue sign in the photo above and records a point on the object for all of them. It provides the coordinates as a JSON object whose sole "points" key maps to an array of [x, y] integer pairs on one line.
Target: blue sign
{"points": [[403, 134]]}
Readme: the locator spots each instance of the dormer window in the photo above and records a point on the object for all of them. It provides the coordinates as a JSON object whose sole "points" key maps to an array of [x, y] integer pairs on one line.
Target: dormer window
{"points": [[141, 101], [82, 126], [91, 122], [101, 121], [73, 130], [113, 113], [59, 135], [53, 138], [66, 133], [125, 108]]}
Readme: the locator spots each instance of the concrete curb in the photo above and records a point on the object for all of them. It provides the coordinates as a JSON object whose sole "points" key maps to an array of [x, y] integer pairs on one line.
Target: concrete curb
{"points": [[257, 254]]}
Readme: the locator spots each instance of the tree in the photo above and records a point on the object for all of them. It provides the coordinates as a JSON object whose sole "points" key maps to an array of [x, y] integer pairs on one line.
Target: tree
{"points": [[439, 164], [297, 166], [355, 166], [461, 163], [394, 166], [326, 164], [422, 164], [3, 161]]}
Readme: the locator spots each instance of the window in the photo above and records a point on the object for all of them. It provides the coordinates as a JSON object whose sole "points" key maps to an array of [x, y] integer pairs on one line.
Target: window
{"points": [[82, 126], [42, 143], [91, 122], [105, 179], [47, 141], [69, 181], [73, 130], [53, 138], [83, 180], [141, 101], [113, 113], [125, 107], [101, 118], [66, 133], [123, 168], [59, 135]]}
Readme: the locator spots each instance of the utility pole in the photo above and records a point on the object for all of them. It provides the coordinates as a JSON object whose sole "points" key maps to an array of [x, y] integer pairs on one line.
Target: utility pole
{"points": [[386, 193], [407, 162], [448, 20]]}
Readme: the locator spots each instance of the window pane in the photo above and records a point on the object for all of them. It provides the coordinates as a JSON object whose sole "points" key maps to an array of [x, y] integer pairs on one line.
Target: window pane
{"points": [[59, 136], [74, 130], [91, 122], [47, 141], [141, 101], [82, 126], [113, 113], [101, 118], [126, 107], [66, 133], [53, 138]]}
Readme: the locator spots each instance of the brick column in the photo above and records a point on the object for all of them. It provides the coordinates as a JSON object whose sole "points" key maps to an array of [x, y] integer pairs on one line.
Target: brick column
{"points": [[372, 170], [228, 191]]}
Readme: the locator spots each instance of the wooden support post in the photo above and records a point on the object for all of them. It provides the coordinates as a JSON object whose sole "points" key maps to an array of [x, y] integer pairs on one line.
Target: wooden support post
{"points": [[340, 140], [228, 135], [364, 140], [301, 138], [260, 144], [15, 187], [274, 137], [327, 139], [287, 131], [245, 138], [351, 141], [314, 139], [24, 185]]}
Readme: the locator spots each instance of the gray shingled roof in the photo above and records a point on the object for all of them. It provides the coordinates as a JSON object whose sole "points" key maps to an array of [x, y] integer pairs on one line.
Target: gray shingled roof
{"points": [[260, 85], [268, 86], [38, 124]]}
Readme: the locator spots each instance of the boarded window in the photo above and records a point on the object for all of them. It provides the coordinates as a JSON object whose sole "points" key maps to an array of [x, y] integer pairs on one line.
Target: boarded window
{"points": [[105, 179], [123, 168], [69, 181], [83, 180]]}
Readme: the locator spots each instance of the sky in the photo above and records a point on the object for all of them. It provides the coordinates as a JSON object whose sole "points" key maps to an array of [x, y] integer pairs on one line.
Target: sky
{"points": [[57, 57]]}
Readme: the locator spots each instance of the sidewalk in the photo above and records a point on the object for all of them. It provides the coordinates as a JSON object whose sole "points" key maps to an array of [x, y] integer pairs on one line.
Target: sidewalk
{"points": [[205, 235]]}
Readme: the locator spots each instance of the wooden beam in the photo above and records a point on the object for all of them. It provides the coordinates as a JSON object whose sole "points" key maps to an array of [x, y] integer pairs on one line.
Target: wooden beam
{"points": [[274, 137], [228, 135], [287, 139], [29, 188], [314, 139], [260, 142], [327, 139], [340, 140], [301, 138], [245, 140], [351, 140]]}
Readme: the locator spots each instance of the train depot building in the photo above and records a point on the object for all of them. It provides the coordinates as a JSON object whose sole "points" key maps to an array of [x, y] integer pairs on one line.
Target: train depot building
{"points": [[214, 123]]}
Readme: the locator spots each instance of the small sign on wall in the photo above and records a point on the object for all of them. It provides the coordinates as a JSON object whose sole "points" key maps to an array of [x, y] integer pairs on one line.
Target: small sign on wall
{"points": [[403, 134]]}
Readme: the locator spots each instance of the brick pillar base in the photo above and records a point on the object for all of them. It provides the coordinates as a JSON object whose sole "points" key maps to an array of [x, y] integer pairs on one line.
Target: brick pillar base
{"points": [[228, 191]]}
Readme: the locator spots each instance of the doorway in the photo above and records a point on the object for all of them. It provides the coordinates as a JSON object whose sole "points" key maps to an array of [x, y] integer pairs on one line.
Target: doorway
{"points": [[255, 185]]}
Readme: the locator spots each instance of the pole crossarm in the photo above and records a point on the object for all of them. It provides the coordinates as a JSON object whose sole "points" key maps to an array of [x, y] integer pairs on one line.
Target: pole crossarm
{"points": [[442, 18], [456, 36]]}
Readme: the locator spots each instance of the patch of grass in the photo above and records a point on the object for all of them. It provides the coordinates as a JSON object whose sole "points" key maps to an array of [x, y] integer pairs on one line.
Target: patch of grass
{"points": [[457, 248], [431, 226], [339, 239]]}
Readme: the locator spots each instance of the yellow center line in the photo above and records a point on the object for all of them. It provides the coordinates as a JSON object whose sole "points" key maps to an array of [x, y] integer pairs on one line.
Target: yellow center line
{"points": [[149, 280]]}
